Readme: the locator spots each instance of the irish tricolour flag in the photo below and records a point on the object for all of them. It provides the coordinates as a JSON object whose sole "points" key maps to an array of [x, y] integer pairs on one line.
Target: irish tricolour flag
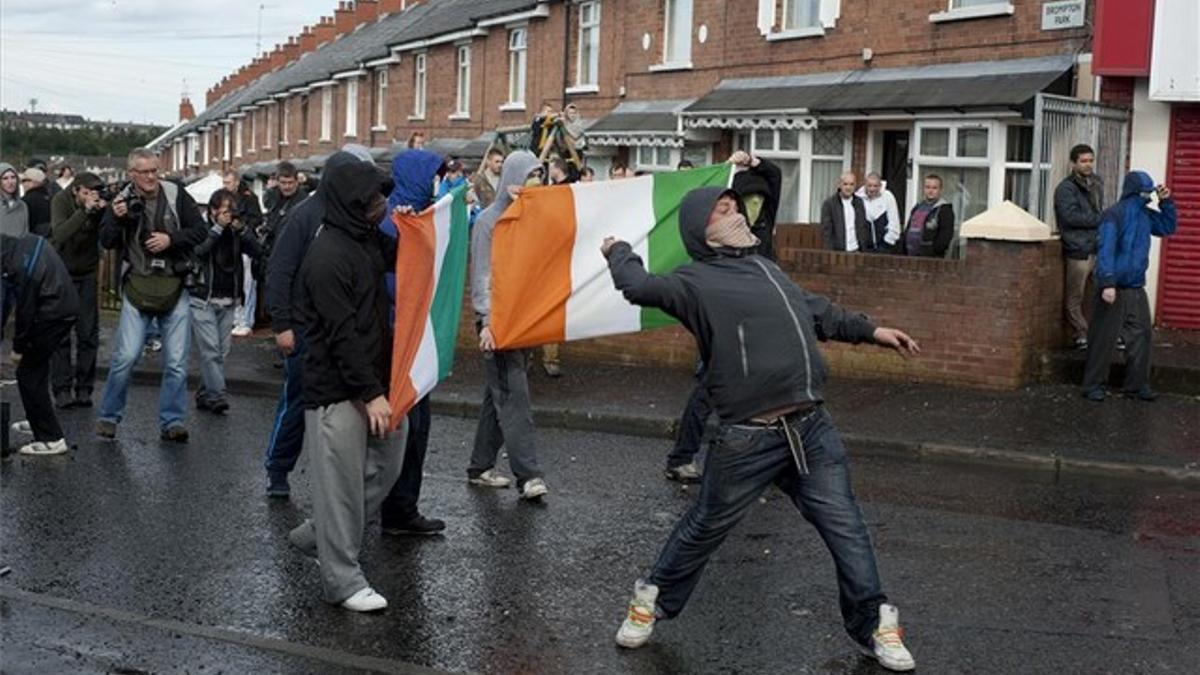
{"points": [[431, 270], [549, 281]]}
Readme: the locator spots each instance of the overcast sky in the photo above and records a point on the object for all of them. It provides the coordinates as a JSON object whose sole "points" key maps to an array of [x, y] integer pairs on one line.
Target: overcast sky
{"points": [[127, 60]]}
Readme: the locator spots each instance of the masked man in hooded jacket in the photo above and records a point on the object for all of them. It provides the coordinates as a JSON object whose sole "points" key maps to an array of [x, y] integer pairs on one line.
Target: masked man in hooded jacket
{"points": [[505, 418], [757, 332], [355, 457]]}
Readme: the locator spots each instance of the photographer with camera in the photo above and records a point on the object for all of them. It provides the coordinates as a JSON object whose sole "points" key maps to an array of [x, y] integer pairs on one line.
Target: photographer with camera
{"points": [[214, 289], [155, 224], [75, 215]]}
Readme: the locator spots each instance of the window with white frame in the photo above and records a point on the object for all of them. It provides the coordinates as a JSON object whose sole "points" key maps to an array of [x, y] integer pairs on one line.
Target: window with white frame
{"points": [[207, 153], [810, 163], [959, 153], [287, 121], [238, 127], [225, 134], [326, 113], [352, 106], [191, 150], [677, 32], [462, 101], [655, 158], [1018, 164], [419, 85], [381, 89], [269, 138], [963, 4], [828, 164], [517, 44], [800, 14], [587, 71], [253, 130]]}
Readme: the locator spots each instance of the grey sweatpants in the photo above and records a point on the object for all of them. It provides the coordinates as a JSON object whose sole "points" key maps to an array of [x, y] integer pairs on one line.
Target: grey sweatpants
{"points": [[352, 473], [505, 418]]}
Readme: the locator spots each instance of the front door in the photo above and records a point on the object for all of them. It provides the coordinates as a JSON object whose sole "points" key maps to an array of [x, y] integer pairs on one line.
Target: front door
{"points": [[895, 166]]}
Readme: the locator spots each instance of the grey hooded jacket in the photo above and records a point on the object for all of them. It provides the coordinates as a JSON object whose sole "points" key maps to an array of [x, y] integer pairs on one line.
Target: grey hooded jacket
{"points": [[14, 214], [517, 167], [757, 331]]}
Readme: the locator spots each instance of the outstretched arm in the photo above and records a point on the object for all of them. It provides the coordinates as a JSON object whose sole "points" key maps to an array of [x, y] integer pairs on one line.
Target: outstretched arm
{"points": [[639, 286]]}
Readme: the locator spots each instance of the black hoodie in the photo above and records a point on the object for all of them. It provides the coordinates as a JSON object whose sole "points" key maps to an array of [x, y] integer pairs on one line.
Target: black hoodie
{"points": [[38, 285], [766, 180], [344, 302], [756, 329]]}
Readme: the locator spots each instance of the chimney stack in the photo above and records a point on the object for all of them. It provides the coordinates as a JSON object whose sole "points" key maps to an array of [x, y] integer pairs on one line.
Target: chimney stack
{"points": [[343, 18], [390, 6], [325, 30], [307, 41], [365, 11], [186, 110]]}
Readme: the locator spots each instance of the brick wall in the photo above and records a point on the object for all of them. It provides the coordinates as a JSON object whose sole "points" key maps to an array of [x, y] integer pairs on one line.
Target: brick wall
{"points": [[984, 321]]}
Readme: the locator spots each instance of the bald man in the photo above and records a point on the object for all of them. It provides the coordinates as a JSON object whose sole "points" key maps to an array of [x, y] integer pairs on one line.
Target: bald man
{"points": [[844, 225]]}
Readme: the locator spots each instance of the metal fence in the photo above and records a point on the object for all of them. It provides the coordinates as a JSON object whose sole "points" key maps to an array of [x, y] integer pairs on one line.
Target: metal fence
{"points": [[1059, 123]]}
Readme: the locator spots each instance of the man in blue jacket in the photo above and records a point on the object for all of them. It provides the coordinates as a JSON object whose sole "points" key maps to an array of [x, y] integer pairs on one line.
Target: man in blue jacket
{"points": [[1122, 308]]}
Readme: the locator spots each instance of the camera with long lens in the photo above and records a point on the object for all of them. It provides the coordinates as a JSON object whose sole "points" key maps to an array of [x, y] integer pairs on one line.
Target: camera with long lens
{"points": [[133, 201]]}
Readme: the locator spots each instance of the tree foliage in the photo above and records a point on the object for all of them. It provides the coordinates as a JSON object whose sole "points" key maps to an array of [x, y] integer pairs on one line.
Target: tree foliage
{"points": [[17, 145]]}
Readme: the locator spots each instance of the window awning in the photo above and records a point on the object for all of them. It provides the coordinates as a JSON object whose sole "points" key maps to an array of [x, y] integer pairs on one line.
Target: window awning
{"points": [[798, 101], [638, 123]]}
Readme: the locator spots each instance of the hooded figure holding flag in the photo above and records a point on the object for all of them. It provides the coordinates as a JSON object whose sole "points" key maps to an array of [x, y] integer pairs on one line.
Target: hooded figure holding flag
{"points": [[757, 333]]}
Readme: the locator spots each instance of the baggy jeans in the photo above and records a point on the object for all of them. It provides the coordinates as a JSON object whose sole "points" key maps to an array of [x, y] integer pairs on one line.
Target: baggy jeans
{"points": [[742, 463], [352, 473], [129, 338], [211, 325]]}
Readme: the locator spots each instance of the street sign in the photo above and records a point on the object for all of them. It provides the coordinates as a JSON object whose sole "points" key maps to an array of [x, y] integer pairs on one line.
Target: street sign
{"points": [[1063, 14]]}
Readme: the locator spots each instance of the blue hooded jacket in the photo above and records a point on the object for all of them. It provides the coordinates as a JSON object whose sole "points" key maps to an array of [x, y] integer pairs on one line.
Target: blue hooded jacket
{"points": [[412, 172], [1123, 240]]}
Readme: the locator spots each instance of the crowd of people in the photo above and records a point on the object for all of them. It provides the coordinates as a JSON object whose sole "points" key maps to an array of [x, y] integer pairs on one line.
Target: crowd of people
{"points": [[326, 259]]}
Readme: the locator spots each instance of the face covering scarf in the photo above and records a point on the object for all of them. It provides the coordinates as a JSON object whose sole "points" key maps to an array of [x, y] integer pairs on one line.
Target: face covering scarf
{"points": [[730, 232]]}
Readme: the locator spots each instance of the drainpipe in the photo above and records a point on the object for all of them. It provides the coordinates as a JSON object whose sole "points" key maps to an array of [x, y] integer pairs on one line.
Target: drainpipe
{"points": [[566, 81]]}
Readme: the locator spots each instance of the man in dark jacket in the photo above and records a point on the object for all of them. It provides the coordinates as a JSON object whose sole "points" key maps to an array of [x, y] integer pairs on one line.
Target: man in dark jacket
{"points": [[284, 197], [38, 284], [155, 223], [930, 229], [297, 232], [75, 215], [344, 308], [1122, 309], [249, 212], [759, 182], [1077, 203], [757, 332], [216, 287], [37, 199], [844, 225]]}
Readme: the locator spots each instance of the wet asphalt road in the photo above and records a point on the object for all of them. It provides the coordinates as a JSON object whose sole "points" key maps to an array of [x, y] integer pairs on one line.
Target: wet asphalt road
{"points": [[136, 556]]}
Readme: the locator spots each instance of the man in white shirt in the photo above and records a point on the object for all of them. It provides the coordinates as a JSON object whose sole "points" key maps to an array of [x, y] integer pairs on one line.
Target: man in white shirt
{"points": [[844, 219], [883, 215]]}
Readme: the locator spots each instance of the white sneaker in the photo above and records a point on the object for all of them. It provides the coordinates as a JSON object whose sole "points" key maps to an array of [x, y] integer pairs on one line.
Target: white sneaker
{"points": [[241, 331], [21, 427], [887, 645], [366, 600], [639, 621], [684, 473], [39, 448], [490, 479], [534, 488]]}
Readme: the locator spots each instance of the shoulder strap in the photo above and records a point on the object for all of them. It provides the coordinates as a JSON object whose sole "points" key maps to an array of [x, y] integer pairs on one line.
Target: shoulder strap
{"points": [[33, 257]]}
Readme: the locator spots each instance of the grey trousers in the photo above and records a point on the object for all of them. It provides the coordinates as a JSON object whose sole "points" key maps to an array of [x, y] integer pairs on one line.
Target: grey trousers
{"points": [[506, 418], [211, 324], [1127, 317], [352, 473], [1077, 274]]}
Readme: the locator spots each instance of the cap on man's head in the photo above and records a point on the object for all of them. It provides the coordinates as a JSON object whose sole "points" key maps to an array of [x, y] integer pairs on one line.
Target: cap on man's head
{"points": [[88, 180], [33, 174]]}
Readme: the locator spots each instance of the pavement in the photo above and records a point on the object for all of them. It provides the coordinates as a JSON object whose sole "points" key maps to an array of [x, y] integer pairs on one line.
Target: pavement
{"points": [[138, 556], [1045, 426]]}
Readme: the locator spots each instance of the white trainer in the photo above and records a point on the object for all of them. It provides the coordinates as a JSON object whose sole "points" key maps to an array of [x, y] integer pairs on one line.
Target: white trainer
{"points": [[887, 643], [534, 488], [684, 473], [490, 479], [366, 600], [40, 448], [639, 620], [21, 427]]}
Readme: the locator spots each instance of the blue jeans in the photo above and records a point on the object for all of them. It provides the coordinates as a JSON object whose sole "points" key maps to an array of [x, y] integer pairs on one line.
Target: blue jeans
{"points": [[211, 324], [741, 464], [287, 433], [130, 336]]}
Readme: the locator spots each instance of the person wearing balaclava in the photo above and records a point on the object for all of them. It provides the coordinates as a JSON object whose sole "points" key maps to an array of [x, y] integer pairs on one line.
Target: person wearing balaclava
{"points": [[413, 176], [14, 214], [505, 418], [354, 455], [758, 183], [297, 233], [1122, 308], [757, 332]]}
